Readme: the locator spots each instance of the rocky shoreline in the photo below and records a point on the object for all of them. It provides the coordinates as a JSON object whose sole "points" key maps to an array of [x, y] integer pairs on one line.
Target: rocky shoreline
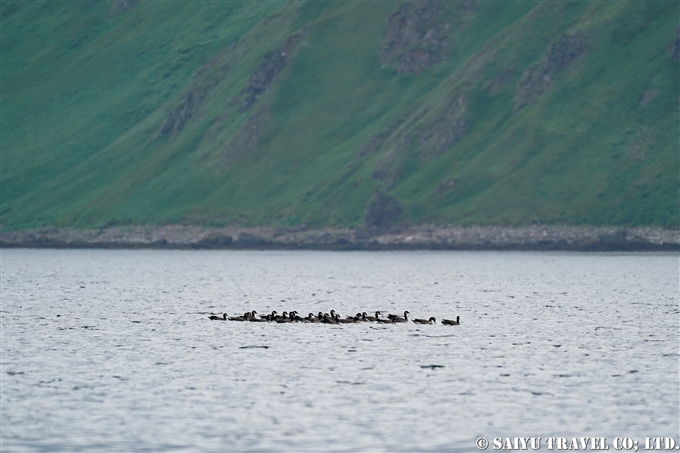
{"points": [[534, 237]]}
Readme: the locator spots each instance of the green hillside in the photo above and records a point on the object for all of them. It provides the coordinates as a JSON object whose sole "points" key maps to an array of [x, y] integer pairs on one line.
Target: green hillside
{"points": [[339, 113]]}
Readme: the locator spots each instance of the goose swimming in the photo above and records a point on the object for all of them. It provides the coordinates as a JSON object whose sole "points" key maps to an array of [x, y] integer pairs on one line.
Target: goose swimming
{"points": [[283, 318], [385, 321], [397, 318], [219, 318], [345, 321], [360, 317], [328, 320], [425, 321], [372, 318], [311, 318], [252, 317], [449, 322], [245, 317]]}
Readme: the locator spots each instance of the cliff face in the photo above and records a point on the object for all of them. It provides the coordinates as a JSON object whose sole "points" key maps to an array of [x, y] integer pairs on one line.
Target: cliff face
{"points": [[339, 115]]}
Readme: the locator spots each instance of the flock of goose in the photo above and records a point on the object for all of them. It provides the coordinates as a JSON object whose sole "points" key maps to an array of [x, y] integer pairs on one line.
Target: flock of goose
{"points": [[330, 318]]}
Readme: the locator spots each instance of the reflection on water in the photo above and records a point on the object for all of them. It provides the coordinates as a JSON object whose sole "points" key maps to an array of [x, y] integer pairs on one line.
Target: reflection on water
{"points": [[113, 350]]}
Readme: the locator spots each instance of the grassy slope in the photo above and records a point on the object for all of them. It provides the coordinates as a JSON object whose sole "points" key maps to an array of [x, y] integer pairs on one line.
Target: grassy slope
{"points": [[84, 94]]}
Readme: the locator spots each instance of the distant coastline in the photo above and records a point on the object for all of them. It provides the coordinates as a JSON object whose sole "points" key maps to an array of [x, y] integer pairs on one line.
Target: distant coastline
{"points": [[433, 237]]}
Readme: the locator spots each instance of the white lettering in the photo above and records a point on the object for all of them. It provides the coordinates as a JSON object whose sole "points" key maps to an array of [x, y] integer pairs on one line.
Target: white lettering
{"points": [[600, 443], [651, 441], [583, 441]]}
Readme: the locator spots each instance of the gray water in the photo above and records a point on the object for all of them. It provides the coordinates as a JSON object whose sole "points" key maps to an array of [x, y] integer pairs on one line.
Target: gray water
{"points": [[113, 350]]}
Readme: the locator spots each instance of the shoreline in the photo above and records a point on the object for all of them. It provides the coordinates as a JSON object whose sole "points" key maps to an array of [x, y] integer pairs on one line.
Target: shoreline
{"points": [[424, 237]]}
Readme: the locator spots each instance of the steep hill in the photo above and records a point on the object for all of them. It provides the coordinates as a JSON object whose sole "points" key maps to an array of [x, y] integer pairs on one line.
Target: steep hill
{"points": [[339, 114]]}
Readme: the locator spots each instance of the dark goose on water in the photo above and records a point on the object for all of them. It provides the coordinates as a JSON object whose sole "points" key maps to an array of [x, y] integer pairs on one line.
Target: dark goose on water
{"points": [[425, 321], [449, 322]]}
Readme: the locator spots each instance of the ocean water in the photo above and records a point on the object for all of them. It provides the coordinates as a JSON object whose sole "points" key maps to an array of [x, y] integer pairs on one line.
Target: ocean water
{"points": [[112, 350]]}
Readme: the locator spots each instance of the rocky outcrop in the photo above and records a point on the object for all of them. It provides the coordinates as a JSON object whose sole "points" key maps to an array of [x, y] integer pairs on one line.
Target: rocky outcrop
{"points": [[564, 52], [270, 66], [424, 237], [383, 211], [263, 77], [437, 133], [446, 128], [386, 169], [180, 115], [201, 86], [417, 37], [215, 70]]}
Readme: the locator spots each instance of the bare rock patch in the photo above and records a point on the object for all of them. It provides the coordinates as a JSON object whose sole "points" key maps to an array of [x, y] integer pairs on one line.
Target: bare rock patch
{"points": [[566, 51], [201, 86], [266, 72], [417, 37], [383, 211], [445, 129]]}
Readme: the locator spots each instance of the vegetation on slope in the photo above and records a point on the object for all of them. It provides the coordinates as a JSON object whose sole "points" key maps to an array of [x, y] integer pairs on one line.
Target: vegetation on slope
{"points": [[339, 113]]}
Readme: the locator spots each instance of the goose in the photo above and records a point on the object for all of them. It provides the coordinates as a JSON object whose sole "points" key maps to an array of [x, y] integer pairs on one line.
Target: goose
{"points": [[396, 318], [254, 319], [311, 318], [425, 321], [328, 320], [272, 316], [219, 318], [344, 321], [385, 321], [372, 318], [284, 318], [277, 317], [360, 317], [448, 322], [245, 317]]}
